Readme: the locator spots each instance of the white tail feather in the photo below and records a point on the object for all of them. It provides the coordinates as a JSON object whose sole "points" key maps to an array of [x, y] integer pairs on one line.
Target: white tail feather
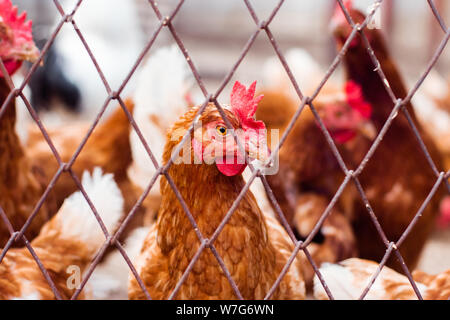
{"points": [[76, 218]]}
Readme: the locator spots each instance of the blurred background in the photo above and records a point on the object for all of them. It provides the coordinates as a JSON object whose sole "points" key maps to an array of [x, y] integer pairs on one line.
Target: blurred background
{"points": [[214, 33], [68, 87]]}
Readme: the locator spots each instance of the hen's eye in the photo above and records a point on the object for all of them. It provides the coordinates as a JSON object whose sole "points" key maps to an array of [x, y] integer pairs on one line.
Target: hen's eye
{"points": [[221, 130]]}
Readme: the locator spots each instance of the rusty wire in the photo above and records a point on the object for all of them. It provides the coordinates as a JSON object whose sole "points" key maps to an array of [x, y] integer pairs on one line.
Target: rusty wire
{"points": [[261, 26]]}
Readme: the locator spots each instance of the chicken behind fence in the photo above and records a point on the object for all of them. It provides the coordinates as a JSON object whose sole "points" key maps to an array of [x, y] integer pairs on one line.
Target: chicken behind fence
{"points": [[253, 246], [66, 244], [398, 178]]}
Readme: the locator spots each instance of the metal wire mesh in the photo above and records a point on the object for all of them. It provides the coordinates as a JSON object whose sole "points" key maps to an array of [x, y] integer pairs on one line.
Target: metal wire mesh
{"points": [[261, 26]]}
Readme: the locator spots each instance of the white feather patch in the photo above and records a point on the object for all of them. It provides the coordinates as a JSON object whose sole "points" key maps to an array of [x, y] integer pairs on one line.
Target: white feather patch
{"points": [[303, 66], [160, 99], [28, 291], [348, 279], [76, 217]]}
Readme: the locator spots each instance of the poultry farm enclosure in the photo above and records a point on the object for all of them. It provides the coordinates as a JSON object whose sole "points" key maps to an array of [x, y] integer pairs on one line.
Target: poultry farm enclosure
{"points": [[212, 83]]}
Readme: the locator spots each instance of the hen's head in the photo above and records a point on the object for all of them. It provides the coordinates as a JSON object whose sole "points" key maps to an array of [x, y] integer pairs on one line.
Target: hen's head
{"points": [[16, 38], [347, 116], [356, 55], [213, 142]]}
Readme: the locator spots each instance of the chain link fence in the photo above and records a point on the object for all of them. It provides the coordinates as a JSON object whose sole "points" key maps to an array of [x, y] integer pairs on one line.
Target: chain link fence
{"points": [[261, 26]]}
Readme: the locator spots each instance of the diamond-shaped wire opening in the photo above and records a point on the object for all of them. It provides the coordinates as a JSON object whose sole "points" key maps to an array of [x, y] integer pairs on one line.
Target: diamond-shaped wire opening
{"points": [[442, 178]]}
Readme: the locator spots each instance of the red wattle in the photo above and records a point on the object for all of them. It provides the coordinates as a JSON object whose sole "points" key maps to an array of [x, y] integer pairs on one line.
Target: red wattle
{"points": [[11, 66], [342, 136], [231, 167]]}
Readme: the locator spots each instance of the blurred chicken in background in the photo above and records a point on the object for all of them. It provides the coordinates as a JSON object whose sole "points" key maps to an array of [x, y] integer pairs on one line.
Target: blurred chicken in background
{"points": [[163, 85], [109, 281], [432, 106], [305, 69], [395, 191], [49, 83], [309, 174], [72, 80]]}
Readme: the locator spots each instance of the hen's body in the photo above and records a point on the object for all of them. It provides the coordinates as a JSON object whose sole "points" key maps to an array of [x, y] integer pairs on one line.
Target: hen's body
{"points": [[21, 183], [253, 246]]}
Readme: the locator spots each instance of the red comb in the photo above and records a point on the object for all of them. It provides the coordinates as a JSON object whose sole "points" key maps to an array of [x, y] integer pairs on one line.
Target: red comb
{"points": [[244, 104], [339, 16], [19, 32], [18, 24], [355, 99]]}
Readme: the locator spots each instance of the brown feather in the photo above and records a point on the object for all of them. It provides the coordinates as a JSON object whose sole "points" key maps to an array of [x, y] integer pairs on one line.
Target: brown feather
{"points": [[21, 183]]}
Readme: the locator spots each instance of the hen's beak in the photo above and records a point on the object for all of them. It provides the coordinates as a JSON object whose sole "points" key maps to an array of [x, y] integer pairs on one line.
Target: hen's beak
{"points": [[28, 52], [367, 129]]}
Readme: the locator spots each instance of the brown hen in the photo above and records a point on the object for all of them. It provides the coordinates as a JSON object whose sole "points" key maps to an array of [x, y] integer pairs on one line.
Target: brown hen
{"points": [[252, 245]]}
